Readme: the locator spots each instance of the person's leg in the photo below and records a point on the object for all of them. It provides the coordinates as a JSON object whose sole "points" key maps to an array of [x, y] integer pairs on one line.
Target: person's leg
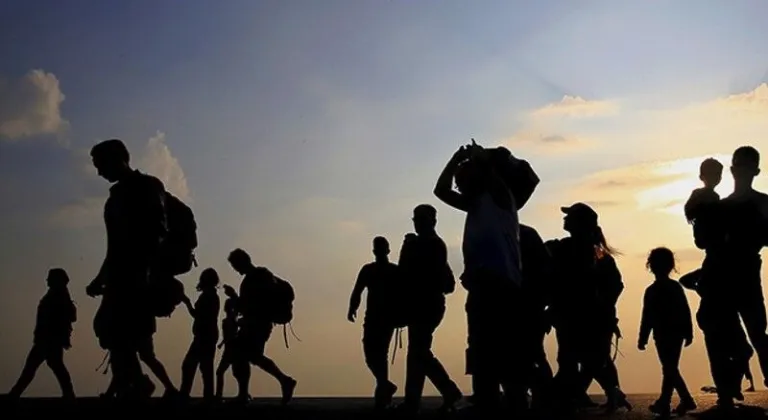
{"points": [[668, 361], [54, 357], [711, 317], [479, 354], [207, 359], [433, 369], [35, 358], [221, 371], [189, 368], [751, 307], [257, 342], [376, 341], [148, 356]]}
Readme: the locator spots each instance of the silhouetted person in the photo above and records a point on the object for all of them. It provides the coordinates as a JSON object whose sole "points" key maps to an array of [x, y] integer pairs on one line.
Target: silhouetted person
{"points": [[135, 221], [667, 315], [55, 315], [205, 330], [700, 205], [746, 225], [492, 275], [587, 287], [228, 342], [381, 279], [254, 303], [428, 277], [537, 273]]}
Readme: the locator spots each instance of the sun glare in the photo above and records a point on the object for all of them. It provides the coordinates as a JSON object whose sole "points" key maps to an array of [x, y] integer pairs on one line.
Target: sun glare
{"points": [[683, 175]]}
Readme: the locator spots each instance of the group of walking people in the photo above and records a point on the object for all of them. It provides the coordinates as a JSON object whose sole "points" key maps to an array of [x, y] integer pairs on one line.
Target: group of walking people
{"points": [[519, 288], [151, 238]]}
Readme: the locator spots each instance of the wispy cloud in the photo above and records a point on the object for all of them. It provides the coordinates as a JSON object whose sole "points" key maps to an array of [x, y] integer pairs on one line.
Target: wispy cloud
{"points": [[31, 106], [576, 107]]}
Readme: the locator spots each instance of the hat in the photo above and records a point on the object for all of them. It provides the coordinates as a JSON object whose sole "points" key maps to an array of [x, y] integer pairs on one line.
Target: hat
{"points": [[581, 212]]}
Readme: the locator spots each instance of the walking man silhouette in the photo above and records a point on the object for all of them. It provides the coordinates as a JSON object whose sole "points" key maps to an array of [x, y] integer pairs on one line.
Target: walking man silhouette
{"points": [[380, 278]]}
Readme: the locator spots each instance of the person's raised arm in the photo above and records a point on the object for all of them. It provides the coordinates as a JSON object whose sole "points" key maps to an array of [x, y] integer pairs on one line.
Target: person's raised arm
{"points": [[357, 294], [494, 184], [444, 187]]}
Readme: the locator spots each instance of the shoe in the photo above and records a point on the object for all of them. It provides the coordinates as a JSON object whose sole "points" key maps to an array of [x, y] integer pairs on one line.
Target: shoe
{"points": [[450, 400], [384, 395], [288, 386], [685, 406], [661, 410]]}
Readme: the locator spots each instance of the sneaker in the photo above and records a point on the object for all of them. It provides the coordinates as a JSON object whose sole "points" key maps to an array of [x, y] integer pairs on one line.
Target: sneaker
{"points": [[685, 406], [288, 386], [450, 400], [384, 395], [661, 410]]}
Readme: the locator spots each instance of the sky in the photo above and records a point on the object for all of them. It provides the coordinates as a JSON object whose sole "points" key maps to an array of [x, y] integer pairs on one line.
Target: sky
{"points": [[300, 130]]}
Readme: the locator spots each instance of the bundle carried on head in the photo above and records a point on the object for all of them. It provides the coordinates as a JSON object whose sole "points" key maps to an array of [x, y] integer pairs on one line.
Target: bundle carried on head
{"points": [[516, 173]]}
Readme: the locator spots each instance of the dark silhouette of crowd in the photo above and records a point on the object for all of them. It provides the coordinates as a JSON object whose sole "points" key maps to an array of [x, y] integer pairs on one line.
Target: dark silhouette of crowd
{"points": [[519, 289]]}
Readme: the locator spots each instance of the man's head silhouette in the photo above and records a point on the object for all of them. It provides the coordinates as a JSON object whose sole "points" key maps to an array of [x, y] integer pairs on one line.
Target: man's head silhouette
{"points": [[745, 164], [111, 159], [424, 219], [380, 247], [240, 261]]}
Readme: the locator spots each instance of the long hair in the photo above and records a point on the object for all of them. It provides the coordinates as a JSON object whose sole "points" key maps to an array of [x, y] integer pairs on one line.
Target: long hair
{"points": [[601, 245]]}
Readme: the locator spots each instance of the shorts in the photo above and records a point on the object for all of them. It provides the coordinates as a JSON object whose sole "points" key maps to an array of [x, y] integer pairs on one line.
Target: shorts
{"points": [[252, 340]]}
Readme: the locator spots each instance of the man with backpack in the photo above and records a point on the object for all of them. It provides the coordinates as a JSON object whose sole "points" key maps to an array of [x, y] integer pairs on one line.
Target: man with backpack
{"points": [[428, 278], [136, 226], [264, 300]]}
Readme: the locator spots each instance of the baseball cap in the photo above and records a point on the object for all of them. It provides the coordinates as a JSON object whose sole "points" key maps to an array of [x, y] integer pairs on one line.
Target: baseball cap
{"points": [[581, 211]]}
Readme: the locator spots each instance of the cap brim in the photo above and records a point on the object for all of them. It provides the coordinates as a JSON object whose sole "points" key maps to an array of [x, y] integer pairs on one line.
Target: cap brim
{"points": [[565, 210]]}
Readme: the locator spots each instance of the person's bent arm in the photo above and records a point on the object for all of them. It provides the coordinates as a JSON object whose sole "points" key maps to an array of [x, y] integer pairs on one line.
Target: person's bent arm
{"points": [[357, 295], [444, 187]]}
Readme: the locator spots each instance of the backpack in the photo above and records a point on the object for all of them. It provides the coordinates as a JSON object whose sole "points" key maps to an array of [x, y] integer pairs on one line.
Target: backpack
{"points": [[282, 308], [516, 173], [166, 293], [177, 255]]}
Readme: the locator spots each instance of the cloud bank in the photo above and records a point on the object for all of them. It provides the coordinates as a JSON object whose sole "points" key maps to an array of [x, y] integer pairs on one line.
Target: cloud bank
{"points": [[30, 106]]}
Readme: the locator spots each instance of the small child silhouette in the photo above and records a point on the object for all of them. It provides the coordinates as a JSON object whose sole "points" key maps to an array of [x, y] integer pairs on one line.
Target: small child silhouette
{"points": [[666, 313], [698, 208], [55, 315]]}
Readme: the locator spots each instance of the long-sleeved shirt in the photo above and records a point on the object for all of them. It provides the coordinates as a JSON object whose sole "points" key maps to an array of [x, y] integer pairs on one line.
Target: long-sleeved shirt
{"points": [[666, 313]]}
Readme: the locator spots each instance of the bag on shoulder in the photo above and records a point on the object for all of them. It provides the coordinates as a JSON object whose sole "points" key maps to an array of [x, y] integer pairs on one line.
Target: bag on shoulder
{"points": [[166, 293], [282, 309], [516, 173], [178, 250]]}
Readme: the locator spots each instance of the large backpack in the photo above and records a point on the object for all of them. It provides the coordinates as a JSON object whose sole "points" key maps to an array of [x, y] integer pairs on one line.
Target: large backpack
{"points": [[178, 251], [516, 173], [282, 308]]}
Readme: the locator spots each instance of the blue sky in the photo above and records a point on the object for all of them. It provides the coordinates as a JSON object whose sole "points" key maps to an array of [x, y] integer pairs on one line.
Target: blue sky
{"points": [[300, 130]]}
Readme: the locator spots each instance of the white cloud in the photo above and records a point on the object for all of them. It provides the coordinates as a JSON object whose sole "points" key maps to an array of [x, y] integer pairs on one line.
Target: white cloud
{"points": [[576, 106], [156, 159], [30, 106]]}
